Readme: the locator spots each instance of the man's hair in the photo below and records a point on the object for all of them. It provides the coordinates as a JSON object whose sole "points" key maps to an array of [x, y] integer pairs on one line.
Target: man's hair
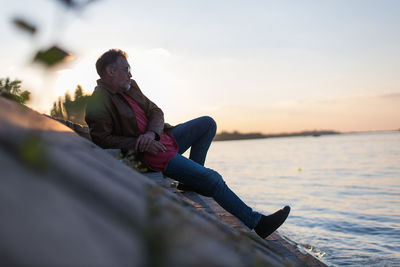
{"points": [[108, 58]]}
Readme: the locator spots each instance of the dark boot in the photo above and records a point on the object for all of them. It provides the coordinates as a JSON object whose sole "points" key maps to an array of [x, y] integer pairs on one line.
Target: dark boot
{"points": [[268, 224]]}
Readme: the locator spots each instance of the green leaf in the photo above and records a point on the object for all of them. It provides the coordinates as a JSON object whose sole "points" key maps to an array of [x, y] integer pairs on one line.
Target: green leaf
{"points": [[23, 25], [51, 56], [33, 152], [24, 97], [76, 4], [68, 3]]}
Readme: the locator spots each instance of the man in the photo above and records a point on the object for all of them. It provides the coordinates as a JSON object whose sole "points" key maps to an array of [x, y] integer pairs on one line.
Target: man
{"points": [[121, 116]]}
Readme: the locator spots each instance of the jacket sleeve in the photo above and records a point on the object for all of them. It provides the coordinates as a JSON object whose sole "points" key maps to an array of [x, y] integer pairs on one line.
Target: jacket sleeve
{"points": [[154, 114], [100, 123]]}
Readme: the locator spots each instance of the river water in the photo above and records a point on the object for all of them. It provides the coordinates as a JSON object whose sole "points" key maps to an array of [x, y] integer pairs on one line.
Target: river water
{"points": [[344, 191]]}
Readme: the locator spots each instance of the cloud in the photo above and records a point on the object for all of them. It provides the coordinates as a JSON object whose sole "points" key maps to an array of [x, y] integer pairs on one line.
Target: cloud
{"points": [[390, 95], [161, 52]]}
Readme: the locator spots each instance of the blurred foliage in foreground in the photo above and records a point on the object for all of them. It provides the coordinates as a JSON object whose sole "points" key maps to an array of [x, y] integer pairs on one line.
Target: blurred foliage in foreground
{"points": [[55, 54], [51, 56], [72, 110], [12, 90], [33, 152]]}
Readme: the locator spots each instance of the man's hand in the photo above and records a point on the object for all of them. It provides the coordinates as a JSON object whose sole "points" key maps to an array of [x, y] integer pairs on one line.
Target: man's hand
{"points": [[155, 147], [146, 143]]}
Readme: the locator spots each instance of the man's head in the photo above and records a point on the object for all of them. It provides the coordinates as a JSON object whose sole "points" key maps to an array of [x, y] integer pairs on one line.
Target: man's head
{"points": [[114, 69]]}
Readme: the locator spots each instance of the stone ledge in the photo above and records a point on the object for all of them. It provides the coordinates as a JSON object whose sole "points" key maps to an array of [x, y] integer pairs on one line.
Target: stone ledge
{"points": [[220, 217], [66, 202]]}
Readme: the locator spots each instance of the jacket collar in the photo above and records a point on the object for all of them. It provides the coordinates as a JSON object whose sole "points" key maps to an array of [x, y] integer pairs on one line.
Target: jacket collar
{"points": [[112, 90]]}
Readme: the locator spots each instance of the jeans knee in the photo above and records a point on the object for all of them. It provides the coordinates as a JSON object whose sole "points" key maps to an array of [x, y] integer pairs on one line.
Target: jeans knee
{"points": [[212, 125]]}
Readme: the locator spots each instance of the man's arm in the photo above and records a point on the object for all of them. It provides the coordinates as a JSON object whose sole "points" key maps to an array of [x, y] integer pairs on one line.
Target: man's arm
{"points": [[100, 123]]}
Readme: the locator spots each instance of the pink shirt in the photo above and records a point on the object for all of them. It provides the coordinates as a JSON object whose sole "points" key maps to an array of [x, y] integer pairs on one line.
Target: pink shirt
{"points": [[158, 161]]}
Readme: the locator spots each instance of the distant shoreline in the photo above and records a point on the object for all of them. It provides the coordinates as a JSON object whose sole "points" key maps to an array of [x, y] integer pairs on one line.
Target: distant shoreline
{"points": [[226, 136], [235, 135]]}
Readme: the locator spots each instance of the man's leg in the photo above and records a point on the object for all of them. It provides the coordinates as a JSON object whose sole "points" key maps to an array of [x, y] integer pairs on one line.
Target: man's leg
{"points": [[210, 183], [196, 134]]}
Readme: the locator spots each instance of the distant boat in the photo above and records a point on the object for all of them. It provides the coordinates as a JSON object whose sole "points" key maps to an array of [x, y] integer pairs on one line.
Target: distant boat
{"points": [[316, 134]]}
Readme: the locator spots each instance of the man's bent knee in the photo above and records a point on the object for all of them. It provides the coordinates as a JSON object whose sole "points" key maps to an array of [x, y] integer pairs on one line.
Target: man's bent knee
{"points": [[212, 125]]}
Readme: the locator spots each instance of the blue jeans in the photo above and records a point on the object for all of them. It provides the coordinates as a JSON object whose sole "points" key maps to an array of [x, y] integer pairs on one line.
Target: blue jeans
{"points": [[198, 134]]}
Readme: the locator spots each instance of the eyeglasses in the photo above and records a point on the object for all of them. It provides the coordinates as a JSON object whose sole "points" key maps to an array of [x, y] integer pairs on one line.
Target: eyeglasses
{"points": [[125, 70]]}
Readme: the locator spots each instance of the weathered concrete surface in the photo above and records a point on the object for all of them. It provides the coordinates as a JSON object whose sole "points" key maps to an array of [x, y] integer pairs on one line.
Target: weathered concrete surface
{"points": [[66, 202], [275, 243]]}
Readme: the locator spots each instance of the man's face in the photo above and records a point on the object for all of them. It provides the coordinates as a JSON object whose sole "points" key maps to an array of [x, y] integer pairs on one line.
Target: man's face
{"points": [[122, 74]]}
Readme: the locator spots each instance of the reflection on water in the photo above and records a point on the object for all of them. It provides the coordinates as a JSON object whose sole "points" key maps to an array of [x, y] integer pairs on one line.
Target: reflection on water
{"points": [[344, 190]]}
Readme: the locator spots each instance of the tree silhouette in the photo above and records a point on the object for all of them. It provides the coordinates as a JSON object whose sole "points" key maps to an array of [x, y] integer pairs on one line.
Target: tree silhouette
{"points": [[78, 92], [72, 110], [12, 90], [57, 109]]}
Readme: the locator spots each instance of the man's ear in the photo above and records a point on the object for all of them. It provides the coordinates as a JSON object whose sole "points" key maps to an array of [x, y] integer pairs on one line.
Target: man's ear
{"points": [[110, 71]]}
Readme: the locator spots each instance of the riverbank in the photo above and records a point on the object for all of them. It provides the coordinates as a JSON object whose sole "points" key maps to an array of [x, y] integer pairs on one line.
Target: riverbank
{"points": [[67, 202], [226, 136]]}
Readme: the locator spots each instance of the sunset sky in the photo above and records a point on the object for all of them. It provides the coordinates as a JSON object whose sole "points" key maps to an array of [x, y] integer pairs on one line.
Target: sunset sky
{"points": [[268, 66]]}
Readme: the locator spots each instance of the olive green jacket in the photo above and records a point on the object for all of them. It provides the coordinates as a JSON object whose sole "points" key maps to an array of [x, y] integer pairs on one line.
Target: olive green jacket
{"points": [[112, 120]]}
